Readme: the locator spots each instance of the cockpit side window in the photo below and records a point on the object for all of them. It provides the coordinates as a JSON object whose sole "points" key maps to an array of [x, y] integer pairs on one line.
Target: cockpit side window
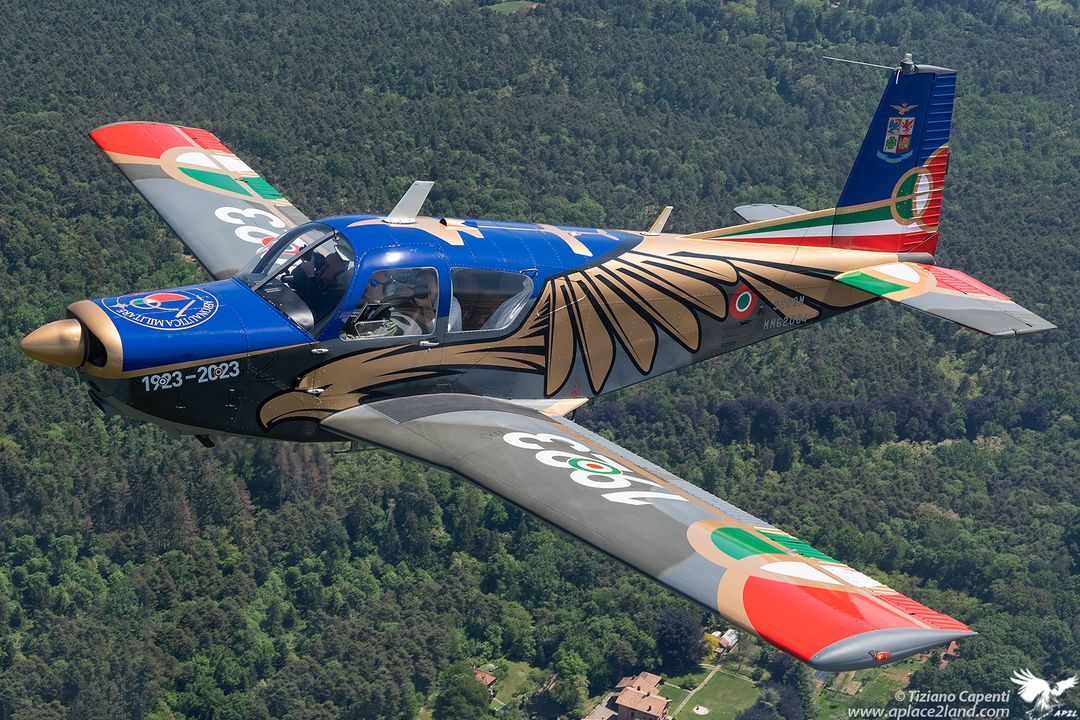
{"points": [[310, 285], [487, 299], [398, 301]]}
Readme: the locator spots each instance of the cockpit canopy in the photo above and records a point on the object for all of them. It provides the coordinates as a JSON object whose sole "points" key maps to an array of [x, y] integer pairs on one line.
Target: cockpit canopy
{"points": [[307, 273], [304, 274]]}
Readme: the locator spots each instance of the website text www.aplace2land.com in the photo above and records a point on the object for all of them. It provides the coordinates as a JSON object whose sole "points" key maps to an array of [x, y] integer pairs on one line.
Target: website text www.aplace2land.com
{"points": [[940, 705]]}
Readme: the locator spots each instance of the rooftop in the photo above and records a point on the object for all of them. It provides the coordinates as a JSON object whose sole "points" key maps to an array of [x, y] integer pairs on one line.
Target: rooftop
{"points": [[644, 683], [484, 677], [652, 704]]}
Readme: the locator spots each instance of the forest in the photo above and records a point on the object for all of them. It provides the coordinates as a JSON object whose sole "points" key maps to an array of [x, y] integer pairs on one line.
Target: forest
{"points": [[145, 576]]}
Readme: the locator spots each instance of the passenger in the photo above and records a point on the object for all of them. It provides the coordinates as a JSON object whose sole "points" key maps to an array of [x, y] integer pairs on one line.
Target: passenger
{"points": [[376, 287], [396, 303], [425, 300]]}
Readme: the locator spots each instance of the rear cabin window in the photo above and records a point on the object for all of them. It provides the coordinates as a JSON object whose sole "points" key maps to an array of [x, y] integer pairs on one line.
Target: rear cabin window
{"points": [[487, 299]]}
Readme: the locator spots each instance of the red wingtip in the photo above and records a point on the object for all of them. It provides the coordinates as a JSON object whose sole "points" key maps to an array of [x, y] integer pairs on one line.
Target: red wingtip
{"points": [[149, 140]]}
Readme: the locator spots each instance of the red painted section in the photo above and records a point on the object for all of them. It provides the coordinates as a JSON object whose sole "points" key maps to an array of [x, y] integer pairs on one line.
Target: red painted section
{"points": [[928, 616], [165, 297], [876, 243], [962, 282], [803, 620], [206, 139], [148, 140], [937, 165], [900, 242]]}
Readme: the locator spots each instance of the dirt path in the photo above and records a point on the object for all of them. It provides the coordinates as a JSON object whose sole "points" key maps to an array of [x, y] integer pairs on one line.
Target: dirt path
{"points": [[713, 670]]}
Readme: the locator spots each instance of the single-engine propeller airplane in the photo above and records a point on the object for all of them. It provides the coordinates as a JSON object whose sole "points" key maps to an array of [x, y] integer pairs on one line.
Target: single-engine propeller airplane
{"points": [[464, 343]]}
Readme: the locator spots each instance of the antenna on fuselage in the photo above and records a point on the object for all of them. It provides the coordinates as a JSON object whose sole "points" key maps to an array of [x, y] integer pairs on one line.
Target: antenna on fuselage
{"points": [[661, 220], [408, 207]]}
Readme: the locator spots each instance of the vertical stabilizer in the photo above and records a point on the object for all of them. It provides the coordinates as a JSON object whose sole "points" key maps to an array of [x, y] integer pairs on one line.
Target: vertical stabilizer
{"points": [[892, 198]]}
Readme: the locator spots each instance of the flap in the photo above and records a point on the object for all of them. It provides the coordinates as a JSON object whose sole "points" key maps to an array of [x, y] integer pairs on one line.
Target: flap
{"points": [[757, 576]]}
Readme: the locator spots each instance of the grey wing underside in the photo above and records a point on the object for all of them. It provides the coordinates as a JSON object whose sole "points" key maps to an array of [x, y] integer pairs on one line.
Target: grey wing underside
{"points": [[699, 545]]}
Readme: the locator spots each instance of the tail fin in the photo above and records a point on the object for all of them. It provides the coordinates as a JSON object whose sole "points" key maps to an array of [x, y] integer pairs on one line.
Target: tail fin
{"points": [[892, 198]]}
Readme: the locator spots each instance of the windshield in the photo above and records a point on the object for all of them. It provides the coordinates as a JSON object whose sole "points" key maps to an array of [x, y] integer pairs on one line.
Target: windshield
{"points": [[283, 250], [307, 285]]}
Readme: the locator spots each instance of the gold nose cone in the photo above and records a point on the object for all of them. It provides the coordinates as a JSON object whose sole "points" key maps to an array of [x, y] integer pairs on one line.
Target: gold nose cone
{"points": [[59, 343]]}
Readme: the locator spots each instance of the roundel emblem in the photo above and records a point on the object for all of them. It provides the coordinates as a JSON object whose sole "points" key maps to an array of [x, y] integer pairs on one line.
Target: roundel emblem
{"points": [[742, 303], [167, 310], [590, 465], [917, 195]]}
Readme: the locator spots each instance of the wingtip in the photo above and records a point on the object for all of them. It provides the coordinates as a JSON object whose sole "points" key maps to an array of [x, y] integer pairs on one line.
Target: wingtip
{"points": [[119, 123], [880, 647]]}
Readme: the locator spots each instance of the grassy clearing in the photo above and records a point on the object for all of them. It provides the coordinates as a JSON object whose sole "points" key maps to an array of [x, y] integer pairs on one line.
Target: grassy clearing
{"points": [[516, 675], [690, 680], [725, 696], [673, 693], [877, 690]]}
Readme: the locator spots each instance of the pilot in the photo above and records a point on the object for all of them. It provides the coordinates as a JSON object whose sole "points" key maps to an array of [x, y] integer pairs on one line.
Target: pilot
{"points": [[400, 302], [332, 268], [320, 281]]}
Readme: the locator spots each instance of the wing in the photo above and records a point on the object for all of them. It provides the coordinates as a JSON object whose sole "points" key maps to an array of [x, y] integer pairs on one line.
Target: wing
{"points": [[761, 578], [1064, 685], [222, 210], [948, 294], [1031, 687]]}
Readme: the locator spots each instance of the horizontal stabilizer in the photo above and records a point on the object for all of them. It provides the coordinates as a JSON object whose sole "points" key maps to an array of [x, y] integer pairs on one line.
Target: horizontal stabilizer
{"points": [[767, 211], [948, 294]]}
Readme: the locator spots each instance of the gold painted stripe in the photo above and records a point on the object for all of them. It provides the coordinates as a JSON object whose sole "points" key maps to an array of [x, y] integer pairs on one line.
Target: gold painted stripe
{"points": [[562, 408], [595, 337], [560, 340], [637, 334]]}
